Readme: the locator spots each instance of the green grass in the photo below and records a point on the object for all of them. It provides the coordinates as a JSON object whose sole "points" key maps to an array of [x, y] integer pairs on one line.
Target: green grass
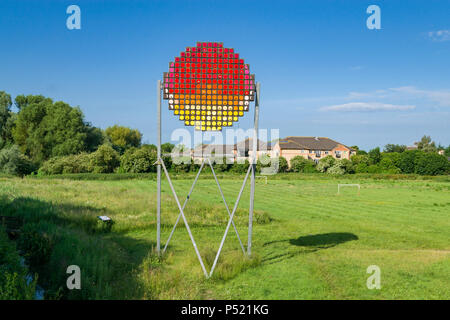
{"points": [[308, 242]]}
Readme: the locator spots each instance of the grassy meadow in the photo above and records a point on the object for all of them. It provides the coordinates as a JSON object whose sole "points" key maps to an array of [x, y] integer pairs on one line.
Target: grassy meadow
{"points": [[308, 242]]}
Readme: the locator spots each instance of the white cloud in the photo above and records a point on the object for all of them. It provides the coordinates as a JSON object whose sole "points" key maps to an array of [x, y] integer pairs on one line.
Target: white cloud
{"points": [[440, 35], [441, 97], [367, 106]]}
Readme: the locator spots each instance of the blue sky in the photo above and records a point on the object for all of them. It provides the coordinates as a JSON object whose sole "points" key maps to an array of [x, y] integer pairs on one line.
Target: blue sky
{"points": [[322, 71]]}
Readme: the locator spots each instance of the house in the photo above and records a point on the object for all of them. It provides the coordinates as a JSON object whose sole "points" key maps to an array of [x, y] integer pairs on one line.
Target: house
{"points": [[239, 151], [314, 148], [244, 149], [204, 151]]}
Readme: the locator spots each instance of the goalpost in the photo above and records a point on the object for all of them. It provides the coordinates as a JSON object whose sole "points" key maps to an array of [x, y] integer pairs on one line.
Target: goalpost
{"points": [[349, 185]]}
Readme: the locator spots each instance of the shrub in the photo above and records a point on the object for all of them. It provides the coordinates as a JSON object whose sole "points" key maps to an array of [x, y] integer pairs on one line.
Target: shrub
{"points": [[325, 163], [263, 162], [35, 245], [282, 164], [240, 167], [407, 160], [13, 284], [389, 162], [362, 168], [431, 164], [12, 161], [341, 166], [182, 164], [374, 168], [360, 159], [104, 160], [138, 160], [300, 164], [78, 163], [221, 165]]}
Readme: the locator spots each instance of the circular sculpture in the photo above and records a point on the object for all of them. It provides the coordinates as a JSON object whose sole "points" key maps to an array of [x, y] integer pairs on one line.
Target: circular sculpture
{"points": [[208, 86]]}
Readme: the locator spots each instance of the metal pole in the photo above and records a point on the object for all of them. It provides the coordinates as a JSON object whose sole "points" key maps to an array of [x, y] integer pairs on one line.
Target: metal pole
{"points": [[185, 221], [253, 165], [158, 169], [184, 205], [229, 222], [226, 205]]}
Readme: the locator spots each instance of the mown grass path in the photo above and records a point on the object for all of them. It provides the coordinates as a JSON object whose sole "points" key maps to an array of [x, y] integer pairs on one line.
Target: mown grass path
{"points": [[317, 246]]}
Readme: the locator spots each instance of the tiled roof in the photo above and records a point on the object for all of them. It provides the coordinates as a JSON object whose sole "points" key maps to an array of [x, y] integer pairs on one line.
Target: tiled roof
{"points": [[308, 143], [247, 145], [216, 149]]}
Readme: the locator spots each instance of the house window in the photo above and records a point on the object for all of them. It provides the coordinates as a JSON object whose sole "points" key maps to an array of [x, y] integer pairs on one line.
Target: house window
{"points": [[326, 152], [317, 153], [338, 154]]}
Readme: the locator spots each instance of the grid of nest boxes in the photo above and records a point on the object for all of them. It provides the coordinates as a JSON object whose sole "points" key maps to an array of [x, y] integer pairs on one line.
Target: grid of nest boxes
{"points": [[208, 86]]}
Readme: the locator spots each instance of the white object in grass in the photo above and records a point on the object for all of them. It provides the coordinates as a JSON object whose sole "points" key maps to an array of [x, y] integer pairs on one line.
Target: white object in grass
{"points": [[349, 185], [104, 218]]}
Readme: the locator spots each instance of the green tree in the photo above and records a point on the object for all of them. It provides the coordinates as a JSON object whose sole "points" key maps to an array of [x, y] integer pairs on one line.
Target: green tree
{"points": [[105, 159], [150, 146], [5, 115], [167, 147], [12, 161], [44, 129], [361, 152], [374, 155], [390, 162], [95, 137], [407, 160], [123, 138], [447, 151], [426, 144], [431, 164], [394, 148]]}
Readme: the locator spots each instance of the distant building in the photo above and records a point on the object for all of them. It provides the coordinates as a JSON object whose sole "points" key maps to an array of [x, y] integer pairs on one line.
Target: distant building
{"points": [[313, 148], [239, 151]]}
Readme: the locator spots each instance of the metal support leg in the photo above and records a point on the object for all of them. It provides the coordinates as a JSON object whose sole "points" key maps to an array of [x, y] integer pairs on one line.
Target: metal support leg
{"points": [[158, 170], [229, 223], [184, 205], [184, 219], [226, 205], [253, 166]]}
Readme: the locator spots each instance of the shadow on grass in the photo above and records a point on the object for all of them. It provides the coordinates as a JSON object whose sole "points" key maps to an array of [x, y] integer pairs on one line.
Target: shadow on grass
{"points": [[324, 240], [107, 260], [306, 244]]}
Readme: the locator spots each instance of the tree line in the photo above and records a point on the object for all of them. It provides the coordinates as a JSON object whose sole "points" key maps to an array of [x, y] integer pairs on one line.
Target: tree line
{"points": [[46, 137]]}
